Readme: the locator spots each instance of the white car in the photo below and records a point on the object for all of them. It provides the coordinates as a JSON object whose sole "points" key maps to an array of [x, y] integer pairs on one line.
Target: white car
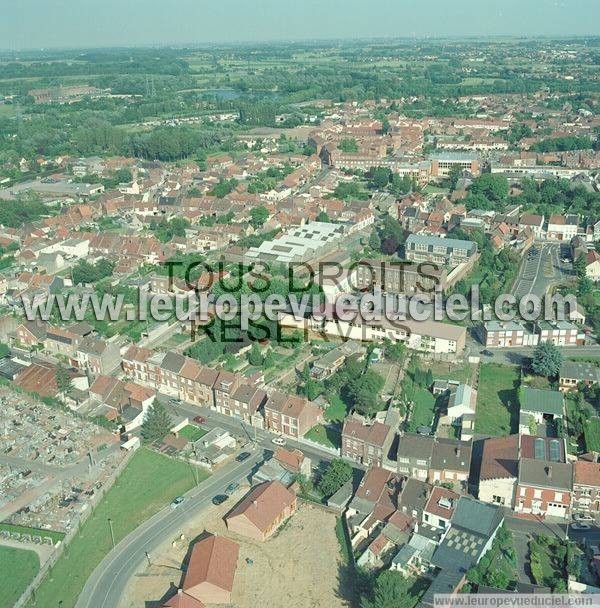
{"points": [[278, 441], [581, 526], [582, 517]]}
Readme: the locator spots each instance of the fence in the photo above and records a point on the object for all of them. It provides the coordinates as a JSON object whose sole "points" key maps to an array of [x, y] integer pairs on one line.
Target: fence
{"points": [[46, 568]]}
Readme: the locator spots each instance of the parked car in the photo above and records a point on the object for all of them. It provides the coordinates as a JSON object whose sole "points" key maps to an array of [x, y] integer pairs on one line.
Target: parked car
{"points": [[176, 502], [231, 488], [175, 401], [581, 526], [278, 441], [219, 499], [200, 419], [487, 353], [243, 456], [582, 517]]}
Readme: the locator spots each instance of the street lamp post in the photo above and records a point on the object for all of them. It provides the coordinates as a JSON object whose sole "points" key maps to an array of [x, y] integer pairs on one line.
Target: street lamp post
{"points": [[112, 533]]}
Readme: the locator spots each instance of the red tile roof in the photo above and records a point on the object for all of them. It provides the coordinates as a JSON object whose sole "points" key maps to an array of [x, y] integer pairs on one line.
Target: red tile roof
{"points": [[586, 473]]}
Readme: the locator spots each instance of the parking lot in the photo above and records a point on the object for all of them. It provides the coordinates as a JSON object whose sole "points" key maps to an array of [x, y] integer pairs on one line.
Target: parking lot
{"points": [[542, 266]]}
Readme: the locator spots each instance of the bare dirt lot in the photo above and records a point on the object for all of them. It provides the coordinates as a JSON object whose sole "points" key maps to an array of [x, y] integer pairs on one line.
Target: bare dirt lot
{"points": [[299, 567]]}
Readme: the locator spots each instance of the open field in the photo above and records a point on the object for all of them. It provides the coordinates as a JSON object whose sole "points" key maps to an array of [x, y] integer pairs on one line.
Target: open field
{"points": [[17, 569], [148, 483], [497, 400], [292, 560]]}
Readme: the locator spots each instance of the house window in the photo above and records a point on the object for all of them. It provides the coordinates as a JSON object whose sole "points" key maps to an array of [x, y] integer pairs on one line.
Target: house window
{"points": [[537, 493], [558, 496]]}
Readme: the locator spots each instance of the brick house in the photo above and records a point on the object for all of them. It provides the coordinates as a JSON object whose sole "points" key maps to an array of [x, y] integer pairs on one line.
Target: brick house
{"points": [[98, 356], [586, 486], [365, 442], [450, 462], [544, 487], [224, 387], [30, 333], [262, 511], [246, 401], [414, 455], [290, 415], [560, 333]]}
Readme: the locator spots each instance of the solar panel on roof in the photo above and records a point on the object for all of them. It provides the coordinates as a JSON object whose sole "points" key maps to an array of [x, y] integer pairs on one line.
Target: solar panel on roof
{"points": [[554, 450], [539, 448]]}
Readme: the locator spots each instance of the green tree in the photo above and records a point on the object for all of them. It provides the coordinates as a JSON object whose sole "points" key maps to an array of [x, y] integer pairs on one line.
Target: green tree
{"points": [[63, 380], [364, 391], [258, 216], [391, 590], [580, 265], [157, 423], [4, 350], [323, 217], [547, 359], [255, 355], [348, 145], [337, 474], [375, 241]]}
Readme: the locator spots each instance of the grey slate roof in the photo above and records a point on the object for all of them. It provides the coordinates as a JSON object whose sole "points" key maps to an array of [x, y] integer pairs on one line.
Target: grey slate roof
{"points": [[546, 474], [542, 401]]}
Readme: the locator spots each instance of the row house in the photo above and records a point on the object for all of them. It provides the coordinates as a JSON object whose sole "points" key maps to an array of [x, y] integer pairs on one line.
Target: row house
{"points": [[196, 382], [438, 461], [66, 341], [366, 442], [98, 356], [502, 334], [586, 486], [560, 333], [562, 227], [533, 222]]}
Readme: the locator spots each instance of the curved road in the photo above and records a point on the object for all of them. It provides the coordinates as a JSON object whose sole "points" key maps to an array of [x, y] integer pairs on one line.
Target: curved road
{"points": [[104, 588]]}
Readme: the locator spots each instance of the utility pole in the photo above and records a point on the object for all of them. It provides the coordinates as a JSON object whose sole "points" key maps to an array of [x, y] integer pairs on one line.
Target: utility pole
{"points": [[112, 534]]}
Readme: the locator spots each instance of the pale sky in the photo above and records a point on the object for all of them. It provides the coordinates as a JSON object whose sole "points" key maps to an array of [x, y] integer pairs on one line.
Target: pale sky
{"points": [[26, 24]]}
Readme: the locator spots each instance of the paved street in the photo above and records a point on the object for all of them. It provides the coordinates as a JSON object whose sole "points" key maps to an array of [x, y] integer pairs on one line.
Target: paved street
{"points": [[104, 588], [541, 268]]}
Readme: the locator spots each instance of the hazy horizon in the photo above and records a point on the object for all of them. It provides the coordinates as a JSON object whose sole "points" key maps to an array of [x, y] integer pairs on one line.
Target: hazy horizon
{"points": [[65, 24]]}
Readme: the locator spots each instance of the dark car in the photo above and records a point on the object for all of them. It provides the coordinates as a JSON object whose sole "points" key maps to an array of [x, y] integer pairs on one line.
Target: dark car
{"points": [[243, 456], [231, 488], [487, 353], [219, 499], [200, 419]]}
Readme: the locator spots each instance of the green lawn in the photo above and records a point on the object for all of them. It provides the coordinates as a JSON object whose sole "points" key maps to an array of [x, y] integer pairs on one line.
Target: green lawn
{"points": [[336, 412], [327, 436], [497, 400], [591, 432], [450, 371], [55, 536], [423, 409], [149, 482], [17, 569], [192, 432]]}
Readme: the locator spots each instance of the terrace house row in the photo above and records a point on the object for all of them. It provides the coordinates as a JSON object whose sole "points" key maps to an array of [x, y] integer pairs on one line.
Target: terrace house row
{"points": [[227, 393]]}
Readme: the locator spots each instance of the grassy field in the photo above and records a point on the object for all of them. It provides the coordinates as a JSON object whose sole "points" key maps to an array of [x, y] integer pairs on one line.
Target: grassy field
{"points": [[423, 409], [149, 482], [497, 401], [17, 569], [55, 536], [327, 436], [192, 432]]}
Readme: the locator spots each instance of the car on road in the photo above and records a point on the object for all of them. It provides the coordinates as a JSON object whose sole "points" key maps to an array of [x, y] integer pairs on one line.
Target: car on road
{"points": [[175, 401], [200, 419], [278, 441], [231, 488], [487, 353], [582, 517], [219, 499], [176, 502], [581, 526], [243, 456]]}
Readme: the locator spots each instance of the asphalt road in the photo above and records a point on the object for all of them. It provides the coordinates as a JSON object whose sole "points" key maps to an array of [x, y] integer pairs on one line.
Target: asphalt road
{"points": [[542, 269], [104, 588]]}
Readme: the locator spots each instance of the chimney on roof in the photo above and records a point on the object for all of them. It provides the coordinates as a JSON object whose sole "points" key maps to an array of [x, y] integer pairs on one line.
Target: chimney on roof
{"points": [[179, 591], [548, 472]]}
